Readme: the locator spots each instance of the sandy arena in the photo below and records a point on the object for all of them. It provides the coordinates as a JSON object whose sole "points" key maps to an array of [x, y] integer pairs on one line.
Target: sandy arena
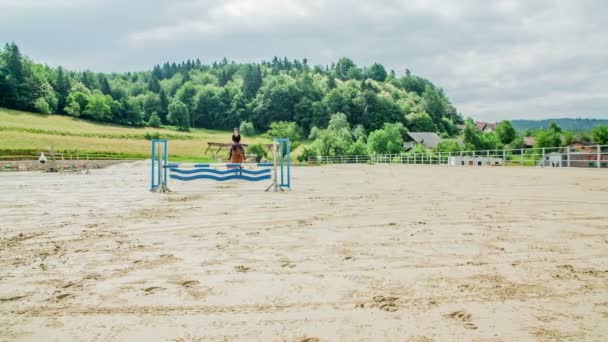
{"points": [[353, 253]]}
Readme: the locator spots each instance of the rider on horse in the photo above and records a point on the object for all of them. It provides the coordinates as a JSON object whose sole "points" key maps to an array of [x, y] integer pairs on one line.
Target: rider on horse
{"points": [[236, 142]]}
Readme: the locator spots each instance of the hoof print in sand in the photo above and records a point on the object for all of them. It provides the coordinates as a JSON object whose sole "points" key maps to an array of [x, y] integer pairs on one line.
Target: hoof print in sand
{"points": [[153, 289], [189, 283], [242, 269], [11, 299], [463, 317], [64, 296], [385, 303]]}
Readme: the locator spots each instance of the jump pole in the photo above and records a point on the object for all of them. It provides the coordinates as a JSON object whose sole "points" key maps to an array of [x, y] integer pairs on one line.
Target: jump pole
{"points": [[159, 159]]}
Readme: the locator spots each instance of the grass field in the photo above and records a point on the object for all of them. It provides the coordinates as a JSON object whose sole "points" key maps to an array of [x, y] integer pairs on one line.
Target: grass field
{"points": [[22, 132]]}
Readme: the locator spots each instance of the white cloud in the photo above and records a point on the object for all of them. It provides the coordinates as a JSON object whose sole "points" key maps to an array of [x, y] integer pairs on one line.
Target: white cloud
{"points": [[495, 59]]}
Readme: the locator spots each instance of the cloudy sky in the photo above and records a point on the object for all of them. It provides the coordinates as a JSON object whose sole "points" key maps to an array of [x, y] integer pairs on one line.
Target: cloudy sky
{"points": [[495, 59]]}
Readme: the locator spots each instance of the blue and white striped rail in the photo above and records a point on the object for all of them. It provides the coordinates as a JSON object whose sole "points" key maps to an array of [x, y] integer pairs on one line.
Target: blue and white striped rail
{"points": [[234, 171]]}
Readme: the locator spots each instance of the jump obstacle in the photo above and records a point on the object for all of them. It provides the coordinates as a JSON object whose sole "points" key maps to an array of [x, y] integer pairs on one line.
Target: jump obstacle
{"points": [[279, 171]]}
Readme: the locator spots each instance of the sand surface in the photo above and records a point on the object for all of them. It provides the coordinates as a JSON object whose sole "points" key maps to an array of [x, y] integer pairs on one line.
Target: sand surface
{"points": [[353, 253]]}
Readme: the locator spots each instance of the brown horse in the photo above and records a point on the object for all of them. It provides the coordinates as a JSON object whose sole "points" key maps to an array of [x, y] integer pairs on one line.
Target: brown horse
{"points": [[237, 154]]}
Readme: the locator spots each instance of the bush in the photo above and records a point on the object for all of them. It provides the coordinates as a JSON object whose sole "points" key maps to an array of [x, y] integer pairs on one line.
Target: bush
{"points": [[42, 106], [308, 152], [282, 129], [258, 150], [386, 140], [154, 121], [152, 135], [314, 133], [359, 148], [246, 128]]}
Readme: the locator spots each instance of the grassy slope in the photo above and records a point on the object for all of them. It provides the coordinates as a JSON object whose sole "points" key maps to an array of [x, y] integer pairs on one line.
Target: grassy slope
{"points": [[26, 131]]}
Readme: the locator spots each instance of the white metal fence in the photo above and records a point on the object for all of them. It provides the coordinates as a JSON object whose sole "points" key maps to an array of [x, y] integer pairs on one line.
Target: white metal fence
{"points": [[593, 156]]}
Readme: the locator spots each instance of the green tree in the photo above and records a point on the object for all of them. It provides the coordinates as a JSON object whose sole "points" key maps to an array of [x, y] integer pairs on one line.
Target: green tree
{"points": [[342, 68], [547, 138], [210, 109], [377, 72], [154, 121], [282, 129], [252, 80], [308, 153], [449, 146], [600, 135], [358, 148], [154, 84], [104, 85], [151, 105], [164, 106], [275, 101], [42, 106], [73, 109], [186, 94], [420, 122], [178, 115], [258, 150], [246, 128], [98, 107], [505, 132], [388, 140], [62, 89], [434, 103]]}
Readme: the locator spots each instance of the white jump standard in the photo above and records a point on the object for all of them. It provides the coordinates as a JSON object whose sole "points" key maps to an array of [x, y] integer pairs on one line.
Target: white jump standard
{"points": [[279, 172]]}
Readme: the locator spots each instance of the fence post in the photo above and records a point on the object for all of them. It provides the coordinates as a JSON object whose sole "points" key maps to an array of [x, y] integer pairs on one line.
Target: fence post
{"points": [[504, 157], [521, 157], [544, 157], [599, 156], [568, 152]]}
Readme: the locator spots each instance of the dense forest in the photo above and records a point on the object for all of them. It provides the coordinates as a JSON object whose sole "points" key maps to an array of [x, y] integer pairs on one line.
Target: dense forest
{"points": [[568, 124], [225, 94], [341, 108]]}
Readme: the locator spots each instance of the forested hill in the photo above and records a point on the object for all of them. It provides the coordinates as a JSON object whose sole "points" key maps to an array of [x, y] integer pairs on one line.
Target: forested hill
{"points": [[576, 125], [224, 94]]}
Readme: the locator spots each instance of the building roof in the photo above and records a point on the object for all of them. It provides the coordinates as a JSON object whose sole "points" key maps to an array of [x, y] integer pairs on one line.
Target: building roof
{"points": [[529, 141], [481, 125], [428, 139]]}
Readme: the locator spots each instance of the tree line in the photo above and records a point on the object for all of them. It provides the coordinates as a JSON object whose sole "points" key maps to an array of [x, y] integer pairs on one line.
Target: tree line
{"points": [[224, 94]]}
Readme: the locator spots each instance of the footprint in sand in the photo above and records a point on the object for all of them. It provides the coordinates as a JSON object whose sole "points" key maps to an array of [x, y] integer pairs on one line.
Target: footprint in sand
{"points": [[64, 296], [11, 299], [463, 317], [153, 289], [242, 269], [386, 303], [288, 264], [310, 339], [189, 283]]}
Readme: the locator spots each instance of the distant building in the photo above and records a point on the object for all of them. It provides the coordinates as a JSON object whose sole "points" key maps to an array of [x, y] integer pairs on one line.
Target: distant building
{"points": [[486, 126], [428, 139], [529, 141], [578, 154], [580, 146]]}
